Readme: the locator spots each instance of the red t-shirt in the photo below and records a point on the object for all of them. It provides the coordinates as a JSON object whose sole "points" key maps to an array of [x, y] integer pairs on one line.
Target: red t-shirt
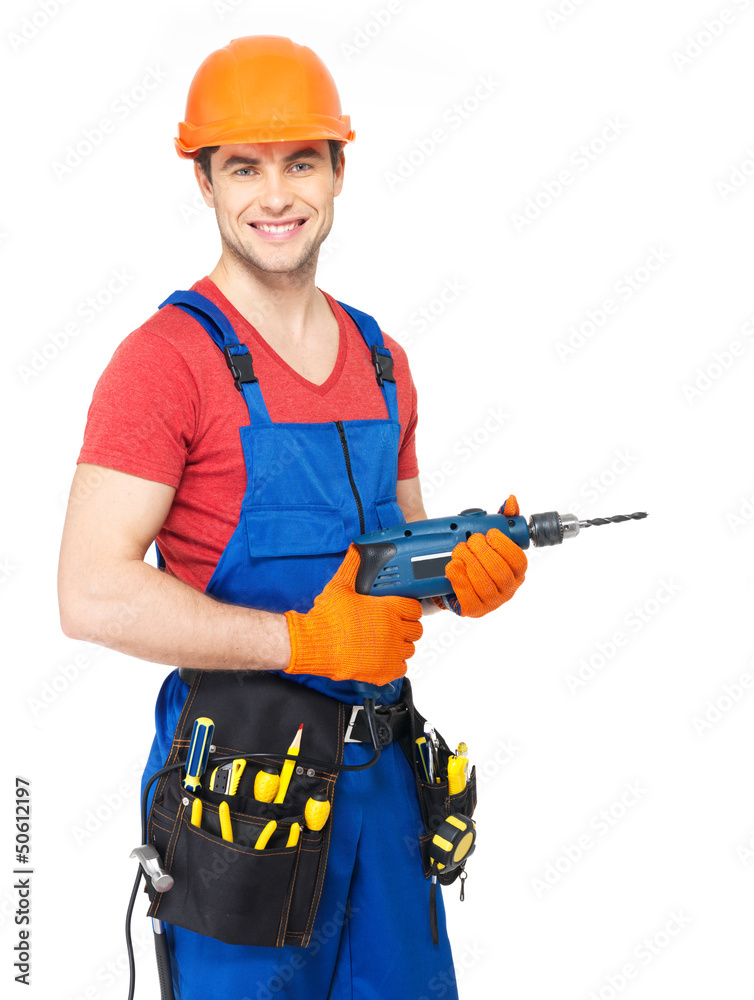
{"points": [[166, 409]]}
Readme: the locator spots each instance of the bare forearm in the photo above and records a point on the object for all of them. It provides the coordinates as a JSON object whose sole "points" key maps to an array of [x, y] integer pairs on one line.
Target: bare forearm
{"points": [[136, 609]]}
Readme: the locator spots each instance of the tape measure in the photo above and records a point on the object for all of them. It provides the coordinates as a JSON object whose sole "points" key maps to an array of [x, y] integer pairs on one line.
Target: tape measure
{"points": [[453, 841]]}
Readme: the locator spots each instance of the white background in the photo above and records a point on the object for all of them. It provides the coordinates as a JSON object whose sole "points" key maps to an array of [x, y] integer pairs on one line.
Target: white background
{"points": [[649, 410]]}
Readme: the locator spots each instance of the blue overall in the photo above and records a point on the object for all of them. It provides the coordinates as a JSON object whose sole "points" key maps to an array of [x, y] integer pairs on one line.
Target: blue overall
{"points": [[310, 489]]}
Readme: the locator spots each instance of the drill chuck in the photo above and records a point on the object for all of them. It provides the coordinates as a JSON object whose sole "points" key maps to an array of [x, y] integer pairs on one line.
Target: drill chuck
{"points": [[551, 528]]}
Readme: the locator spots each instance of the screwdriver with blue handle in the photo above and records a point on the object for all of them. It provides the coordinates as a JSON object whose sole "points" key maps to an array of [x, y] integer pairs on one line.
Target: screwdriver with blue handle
{"points": [[198, 753]]}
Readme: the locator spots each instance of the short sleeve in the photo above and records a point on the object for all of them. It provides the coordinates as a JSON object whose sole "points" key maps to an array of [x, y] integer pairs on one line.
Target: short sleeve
{"points": [[143, 413]]}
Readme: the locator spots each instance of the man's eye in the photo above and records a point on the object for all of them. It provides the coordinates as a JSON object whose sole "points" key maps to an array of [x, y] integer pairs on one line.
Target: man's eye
{"points": [[244, 171], [304, 166]]}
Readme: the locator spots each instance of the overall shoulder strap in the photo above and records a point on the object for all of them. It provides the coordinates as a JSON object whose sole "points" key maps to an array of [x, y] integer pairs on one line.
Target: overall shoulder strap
{"points": [[381, 357], [237, 355]]}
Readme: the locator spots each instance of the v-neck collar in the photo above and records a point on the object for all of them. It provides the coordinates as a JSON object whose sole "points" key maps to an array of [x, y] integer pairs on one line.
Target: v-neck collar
{"points": [[251, 336]]}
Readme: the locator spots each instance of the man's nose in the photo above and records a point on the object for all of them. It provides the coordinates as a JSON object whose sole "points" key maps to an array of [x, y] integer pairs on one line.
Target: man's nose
{"points": [[276, 194]]}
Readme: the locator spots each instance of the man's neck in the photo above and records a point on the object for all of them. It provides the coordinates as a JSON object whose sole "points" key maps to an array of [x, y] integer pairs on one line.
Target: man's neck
{"points": [[277, 305]]}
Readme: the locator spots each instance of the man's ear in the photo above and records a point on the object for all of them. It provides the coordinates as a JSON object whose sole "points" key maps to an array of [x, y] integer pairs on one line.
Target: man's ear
{"points": [[205, 185], [337, 184]]}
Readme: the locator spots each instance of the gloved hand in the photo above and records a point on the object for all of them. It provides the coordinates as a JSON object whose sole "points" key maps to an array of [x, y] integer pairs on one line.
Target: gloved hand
{"points": [[486, 571], [350, 636]]}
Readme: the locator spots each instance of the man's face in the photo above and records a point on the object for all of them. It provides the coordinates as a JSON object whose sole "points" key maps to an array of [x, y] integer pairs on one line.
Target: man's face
{"points": [[273, 201]]}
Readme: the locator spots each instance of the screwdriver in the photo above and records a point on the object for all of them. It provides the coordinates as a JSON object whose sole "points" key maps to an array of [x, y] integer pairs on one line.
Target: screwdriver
{"points": [[316, 811], [196, 761], [266, 784]]}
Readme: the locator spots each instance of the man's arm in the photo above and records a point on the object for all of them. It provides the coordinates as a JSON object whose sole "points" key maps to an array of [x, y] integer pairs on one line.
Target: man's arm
{"points": [[108, 595], [410, 501]]}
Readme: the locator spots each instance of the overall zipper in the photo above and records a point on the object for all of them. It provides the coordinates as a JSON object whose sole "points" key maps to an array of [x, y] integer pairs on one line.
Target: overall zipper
{"points": [[357, 498]]}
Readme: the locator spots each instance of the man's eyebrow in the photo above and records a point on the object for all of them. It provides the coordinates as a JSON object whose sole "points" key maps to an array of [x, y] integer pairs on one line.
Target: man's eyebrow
{"points": [[309, 153]]}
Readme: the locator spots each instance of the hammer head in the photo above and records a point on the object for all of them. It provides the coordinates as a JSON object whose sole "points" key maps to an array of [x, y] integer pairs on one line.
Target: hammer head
{"points": [[151, 862]]}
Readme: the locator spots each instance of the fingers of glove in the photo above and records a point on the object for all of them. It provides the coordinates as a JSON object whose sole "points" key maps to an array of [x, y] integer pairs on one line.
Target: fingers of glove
{"points": [[379, 674], [471, 604], [487, 570], [510, 507], [345, 575], [401, 616], [513, 554], [412, 631], [407, 608]]}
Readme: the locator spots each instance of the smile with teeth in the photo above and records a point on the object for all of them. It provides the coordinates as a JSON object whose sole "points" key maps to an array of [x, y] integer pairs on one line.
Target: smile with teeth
{"points": [[267, 228]]}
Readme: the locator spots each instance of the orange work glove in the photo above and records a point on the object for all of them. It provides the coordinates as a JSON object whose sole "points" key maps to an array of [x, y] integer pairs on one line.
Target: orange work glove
{"points": [[350, 636], [486, 571]]}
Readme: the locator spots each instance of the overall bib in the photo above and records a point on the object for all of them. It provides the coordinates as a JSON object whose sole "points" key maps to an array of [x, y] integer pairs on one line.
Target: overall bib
{"points": [[311, 489]]}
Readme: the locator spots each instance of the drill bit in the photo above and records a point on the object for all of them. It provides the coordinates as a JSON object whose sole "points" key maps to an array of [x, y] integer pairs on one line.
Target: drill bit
{"points": [[551, 528], [616, 519]]}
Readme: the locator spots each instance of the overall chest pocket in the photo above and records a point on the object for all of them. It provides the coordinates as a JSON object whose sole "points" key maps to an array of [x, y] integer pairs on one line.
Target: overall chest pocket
{"points": [[278, 530]]}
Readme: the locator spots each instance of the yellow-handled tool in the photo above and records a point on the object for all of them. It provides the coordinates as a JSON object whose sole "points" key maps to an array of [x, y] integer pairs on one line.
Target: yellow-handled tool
{"points": [[265, 835], [453, 842], [196, 813], [225, 826], [316, 811], [294, 835], [266, 784], [225, 779], [196, 761], [457, 774]]}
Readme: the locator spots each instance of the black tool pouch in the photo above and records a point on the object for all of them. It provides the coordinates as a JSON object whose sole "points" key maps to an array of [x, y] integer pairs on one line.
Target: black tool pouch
{"points": [[232, 891], [435, 799]]}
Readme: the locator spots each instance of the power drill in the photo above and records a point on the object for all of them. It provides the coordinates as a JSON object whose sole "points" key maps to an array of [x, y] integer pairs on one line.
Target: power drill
{"points": [[409, 560]]}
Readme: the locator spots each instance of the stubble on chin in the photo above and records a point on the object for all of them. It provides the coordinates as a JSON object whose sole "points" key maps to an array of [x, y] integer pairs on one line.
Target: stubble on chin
{"points": [[303, 264]]}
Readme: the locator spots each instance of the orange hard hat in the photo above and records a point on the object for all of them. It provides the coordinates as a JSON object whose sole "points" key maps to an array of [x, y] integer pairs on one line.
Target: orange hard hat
{"points": [[261, 88]]}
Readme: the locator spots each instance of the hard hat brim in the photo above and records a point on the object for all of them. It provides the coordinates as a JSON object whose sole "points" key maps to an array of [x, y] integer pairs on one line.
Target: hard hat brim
{"points": [[226, 133]]}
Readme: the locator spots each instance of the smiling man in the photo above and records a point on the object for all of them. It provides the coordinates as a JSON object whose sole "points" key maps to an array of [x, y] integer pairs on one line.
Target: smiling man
{"points": [[253, 426]]}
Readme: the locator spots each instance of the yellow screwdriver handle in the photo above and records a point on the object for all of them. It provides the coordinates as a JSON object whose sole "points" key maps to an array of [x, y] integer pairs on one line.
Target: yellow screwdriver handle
{"points": [[266, 785], [316, 812]]}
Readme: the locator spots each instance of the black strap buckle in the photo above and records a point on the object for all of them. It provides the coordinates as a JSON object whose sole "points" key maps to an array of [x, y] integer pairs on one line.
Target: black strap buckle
{"points": [[383, 366], [241, 367], [392, 723]]}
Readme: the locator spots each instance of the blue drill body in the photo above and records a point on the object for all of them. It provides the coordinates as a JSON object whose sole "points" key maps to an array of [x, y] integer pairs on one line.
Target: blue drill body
{"points": [[409, 560]]}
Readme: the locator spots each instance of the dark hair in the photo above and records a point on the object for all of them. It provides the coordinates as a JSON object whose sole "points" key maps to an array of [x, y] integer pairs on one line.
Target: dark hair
{"points": [[204, 156]]}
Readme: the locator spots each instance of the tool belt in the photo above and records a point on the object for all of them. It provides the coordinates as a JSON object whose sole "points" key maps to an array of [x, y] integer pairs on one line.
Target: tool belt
{"points": [[269, 897]]}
